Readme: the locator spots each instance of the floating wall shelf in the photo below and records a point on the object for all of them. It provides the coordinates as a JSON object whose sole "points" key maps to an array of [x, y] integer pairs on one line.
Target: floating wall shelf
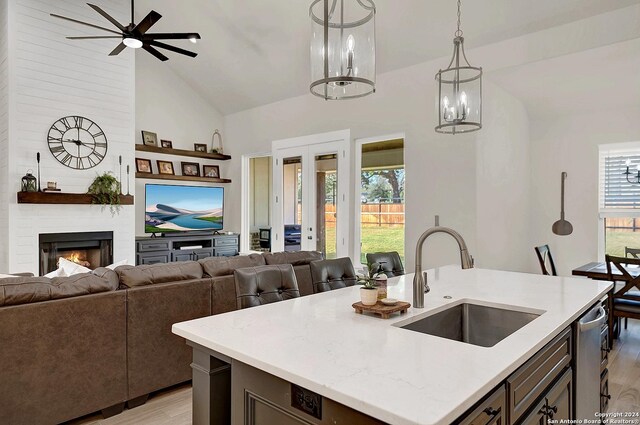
{"points": [[63, 198], [181, 178], [183, 152]]}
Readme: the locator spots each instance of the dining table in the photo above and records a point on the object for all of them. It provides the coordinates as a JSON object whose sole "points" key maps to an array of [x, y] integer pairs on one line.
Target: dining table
{"points": [[598, 271]]}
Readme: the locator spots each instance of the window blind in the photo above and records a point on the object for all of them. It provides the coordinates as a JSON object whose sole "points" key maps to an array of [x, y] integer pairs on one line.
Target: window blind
{"points": [[615, 192]]}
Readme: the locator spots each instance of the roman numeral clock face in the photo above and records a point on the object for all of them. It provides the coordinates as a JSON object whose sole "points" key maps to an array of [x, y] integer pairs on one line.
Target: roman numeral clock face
{"points": [[77, 142]]}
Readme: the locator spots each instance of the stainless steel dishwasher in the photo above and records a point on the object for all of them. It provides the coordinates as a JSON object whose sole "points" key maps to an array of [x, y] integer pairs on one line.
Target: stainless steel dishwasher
{"points": [[588, 344]]}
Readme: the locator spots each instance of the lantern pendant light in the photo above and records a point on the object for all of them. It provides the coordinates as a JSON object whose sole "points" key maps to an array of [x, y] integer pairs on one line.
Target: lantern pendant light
{"points": [[459, 92], [343, 48]]}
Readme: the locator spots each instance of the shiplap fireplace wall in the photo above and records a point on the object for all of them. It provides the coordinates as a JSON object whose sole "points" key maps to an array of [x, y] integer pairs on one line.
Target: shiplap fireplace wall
{"points": [[44, 77]]}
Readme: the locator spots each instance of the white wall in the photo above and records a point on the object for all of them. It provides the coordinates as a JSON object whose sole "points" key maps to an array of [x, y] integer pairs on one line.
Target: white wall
{"points": [[503, 180], [168, 106], [4, 136], [49, 78], [570, 143], [440, 169]]}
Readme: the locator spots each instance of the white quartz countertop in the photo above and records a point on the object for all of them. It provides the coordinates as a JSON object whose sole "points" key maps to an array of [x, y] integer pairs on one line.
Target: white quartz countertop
{"points": [[396, 375]]}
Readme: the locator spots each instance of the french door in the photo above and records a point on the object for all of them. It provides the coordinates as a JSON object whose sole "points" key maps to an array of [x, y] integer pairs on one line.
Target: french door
{"points": [[311, 193]]}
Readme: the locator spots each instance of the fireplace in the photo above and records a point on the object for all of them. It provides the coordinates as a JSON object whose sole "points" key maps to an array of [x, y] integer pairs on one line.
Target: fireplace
{"points": [[89, 249]]}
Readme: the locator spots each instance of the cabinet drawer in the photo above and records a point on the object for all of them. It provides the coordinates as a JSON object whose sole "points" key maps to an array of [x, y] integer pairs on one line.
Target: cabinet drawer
{"points": [[228, 241], [226, 252], [160, 245], [525, 385], [153, 259], [182, 256], [491, 411]]}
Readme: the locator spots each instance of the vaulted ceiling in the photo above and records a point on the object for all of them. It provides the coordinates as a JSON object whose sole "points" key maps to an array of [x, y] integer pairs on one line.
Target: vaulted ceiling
{"points": [[255, 52]]}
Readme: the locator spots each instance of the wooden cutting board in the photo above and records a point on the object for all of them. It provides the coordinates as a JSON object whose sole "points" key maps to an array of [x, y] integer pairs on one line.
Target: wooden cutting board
{"points": [[383, 310]]}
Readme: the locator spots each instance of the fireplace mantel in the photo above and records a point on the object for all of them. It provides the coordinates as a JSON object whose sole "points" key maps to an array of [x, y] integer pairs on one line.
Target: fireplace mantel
{"points": [[63, 198]]}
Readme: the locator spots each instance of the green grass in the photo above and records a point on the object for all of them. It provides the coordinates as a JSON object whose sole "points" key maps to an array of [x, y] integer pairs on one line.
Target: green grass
{"points": [[617, 241], [374, 239], [381, 239]]}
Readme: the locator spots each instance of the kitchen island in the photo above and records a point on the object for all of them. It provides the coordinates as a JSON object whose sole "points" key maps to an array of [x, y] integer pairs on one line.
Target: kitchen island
{"points": [[372, 365]]}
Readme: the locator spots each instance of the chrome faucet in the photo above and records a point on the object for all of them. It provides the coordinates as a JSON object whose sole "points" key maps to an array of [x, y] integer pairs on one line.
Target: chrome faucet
{"points": [[420, 286]]}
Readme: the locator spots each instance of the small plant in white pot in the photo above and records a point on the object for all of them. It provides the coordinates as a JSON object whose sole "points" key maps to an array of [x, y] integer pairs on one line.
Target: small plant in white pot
{"points": [[369, 290]]}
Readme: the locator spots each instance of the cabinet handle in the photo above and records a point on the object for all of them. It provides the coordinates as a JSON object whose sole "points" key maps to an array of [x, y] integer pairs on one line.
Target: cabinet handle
{"points": [[491, 412]]}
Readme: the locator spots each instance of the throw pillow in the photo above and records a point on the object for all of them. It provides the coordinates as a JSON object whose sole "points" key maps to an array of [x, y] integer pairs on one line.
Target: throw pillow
{"points": [[56, 273], [70, 268], [117, 264]]}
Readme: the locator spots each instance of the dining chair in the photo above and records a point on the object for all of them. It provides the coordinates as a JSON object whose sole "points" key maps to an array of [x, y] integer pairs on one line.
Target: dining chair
{"points": [[634, 252], [265, 284], [544, 255], [328, 275], [389, 263], [626, 295]]}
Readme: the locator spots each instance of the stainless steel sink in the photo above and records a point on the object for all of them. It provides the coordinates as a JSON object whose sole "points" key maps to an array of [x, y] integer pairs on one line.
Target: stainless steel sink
{"points": [[473, 324]]}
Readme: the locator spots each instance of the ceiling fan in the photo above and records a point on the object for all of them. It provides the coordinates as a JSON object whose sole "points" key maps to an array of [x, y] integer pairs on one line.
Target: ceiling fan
{"points": [[136, 36]]}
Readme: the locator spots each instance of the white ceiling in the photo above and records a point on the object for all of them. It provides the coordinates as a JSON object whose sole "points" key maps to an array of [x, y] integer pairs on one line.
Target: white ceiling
{"points": [[255, 52], [604, 78]]}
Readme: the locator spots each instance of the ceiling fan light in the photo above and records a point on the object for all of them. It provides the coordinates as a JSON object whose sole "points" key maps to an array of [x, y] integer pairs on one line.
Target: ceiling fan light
{"points": [[134, 43]]}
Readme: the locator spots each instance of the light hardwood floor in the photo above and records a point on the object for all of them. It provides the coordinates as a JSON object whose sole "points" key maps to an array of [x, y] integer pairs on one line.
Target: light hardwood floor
{"points": [[173, 406]]}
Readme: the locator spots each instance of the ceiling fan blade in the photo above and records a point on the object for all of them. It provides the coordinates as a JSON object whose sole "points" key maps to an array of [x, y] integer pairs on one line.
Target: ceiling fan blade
{"points": [[107, 17], [144, 25], [84, 23], [172, 48], [154, 52], [95, 37], [119, 48], [171, 36]]}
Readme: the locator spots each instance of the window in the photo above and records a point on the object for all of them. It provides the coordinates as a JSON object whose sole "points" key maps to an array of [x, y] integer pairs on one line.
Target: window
{"points": [[620, 197], [382, 183]]}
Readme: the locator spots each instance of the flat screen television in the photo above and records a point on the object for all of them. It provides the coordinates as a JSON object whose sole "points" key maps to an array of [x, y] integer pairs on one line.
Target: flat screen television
{"points": [[170, 208]]}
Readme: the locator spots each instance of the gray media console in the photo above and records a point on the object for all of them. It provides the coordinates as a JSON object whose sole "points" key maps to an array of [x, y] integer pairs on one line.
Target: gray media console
{"points": [[185, 248]]}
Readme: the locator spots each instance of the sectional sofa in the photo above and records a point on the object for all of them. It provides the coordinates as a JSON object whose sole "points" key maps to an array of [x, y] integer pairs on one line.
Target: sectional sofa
{"points": [[95, 341]]}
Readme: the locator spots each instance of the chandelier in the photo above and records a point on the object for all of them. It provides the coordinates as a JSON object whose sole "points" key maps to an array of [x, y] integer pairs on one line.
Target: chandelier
{"points": [[633, 178], [343, 48], [459, 92]]}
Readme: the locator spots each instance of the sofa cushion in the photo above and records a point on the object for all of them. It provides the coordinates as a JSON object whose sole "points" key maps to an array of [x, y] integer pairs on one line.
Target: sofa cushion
{"points": [[224, 266], [107, 274], [25, 290], [298, 258], [131, 276]]}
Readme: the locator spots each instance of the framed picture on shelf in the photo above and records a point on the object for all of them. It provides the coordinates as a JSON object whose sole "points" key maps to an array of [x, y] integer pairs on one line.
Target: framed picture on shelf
{"points": [[200, 147], [149, 138], [211, 171], [165, 167], [166, 144], [143, 166], [191, 169]]}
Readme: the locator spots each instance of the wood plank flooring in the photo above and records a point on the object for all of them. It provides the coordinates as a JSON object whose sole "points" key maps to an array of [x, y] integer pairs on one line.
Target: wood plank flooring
{"points": [[173, 406]]}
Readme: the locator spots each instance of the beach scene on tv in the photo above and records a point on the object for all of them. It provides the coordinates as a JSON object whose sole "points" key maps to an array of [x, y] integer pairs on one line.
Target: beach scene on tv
{"points": [[183, 208]]}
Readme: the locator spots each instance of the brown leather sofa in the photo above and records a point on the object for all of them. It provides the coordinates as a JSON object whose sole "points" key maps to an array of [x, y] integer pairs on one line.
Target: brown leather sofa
{"points": [[74, 346]]}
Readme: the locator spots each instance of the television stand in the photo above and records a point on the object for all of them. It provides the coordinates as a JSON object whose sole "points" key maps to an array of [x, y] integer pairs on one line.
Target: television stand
{"points": [[185, 247]]}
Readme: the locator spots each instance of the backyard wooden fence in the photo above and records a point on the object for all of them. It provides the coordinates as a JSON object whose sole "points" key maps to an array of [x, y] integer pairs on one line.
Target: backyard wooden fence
{"points": [[623, 224], [377, 214]]}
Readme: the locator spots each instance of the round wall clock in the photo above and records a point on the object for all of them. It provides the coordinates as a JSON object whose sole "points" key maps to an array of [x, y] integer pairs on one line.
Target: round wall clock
{"points": [[77, 142]]}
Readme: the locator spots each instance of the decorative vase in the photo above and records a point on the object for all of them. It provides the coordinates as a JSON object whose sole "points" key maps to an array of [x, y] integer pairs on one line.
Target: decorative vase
{"points": [[369, 296]]}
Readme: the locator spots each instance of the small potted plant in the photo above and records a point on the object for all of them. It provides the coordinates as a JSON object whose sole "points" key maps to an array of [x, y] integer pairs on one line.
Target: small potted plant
{"points": [[368, 291]]}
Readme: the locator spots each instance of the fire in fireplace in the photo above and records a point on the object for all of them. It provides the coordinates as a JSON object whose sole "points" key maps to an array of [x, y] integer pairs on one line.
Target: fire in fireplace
{"points": [[89, 249]]}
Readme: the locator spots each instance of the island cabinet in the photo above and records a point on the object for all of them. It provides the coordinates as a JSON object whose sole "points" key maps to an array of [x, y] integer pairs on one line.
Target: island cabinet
{"points": [[539, 391], [259, 398]]}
